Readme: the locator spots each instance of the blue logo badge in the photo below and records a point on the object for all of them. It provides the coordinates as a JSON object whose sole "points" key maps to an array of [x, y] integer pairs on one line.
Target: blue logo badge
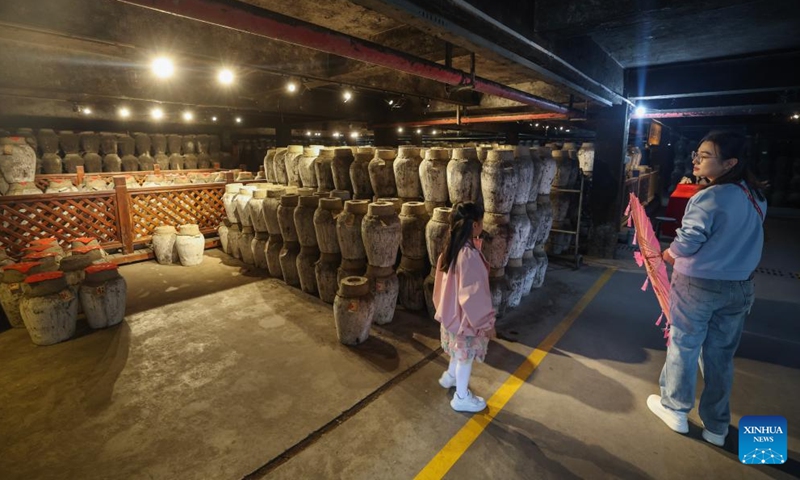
{"points": [[762, 440]]}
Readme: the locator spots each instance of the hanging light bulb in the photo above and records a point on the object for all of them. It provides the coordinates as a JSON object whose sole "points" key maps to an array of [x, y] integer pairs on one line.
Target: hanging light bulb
{"points": [[188, 116], [347, 95], [162, 67], [157, 113], [86, 111], [399, 129], [124, 112], [238, 119], [291, 87], [225, 76]]}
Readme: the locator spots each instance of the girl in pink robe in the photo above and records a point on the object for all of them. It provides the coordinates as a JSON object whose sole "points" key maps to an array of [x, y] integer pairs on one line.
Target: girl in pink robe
{"points": [[463, 304]]}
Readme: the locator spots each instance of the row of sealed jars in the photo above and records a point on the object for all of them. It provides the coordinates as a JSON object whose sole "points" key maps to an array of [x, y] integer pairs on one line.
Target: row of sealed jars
{"points": [[185, 245], [47, 141]]}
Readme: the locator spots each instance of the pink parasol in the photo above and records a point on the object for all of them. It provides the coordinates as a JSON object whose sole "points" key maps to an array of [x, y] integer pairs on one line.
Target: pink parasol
{"points": [[649, 256]]}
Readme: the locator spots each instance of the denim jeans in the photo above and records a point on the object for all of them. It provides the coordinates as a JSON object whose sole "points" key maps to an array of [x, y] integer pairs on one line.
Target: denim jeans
{"points": [[707, 321]]}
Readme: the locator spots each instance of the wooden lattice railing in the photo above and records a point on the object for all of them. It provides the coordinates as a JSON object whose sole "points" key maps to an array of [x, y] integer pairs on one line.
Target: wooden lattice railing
{"points": [[43, 181], [65, 216], [119, 218], [152, 207]]}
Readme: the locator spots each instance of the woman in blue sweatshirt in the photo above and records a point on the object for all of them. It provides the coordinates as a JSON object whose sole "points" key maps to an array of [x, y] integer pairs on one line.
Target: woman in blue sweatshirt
{"points": [[714, 255]]}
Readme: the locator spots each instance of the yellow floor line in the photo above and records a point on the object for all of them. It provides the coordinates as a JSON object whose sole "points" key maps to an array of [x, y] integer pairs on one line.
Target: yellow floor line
{"points": [[461, 441]]}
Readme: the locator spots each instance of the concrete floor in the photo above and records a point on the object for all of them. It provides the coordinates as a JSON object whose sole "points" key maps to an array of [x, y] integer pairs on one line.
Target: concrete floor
{"points": [[221, 373]]}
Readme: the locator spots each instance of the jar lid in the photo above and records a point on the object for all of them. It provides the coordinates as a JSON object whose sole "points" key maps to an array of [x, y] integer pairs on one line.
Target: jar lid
{"points": [[309, 201], [386, 154], [101, 267], [165, 230], [351, 287], [23, 267], [260, 194], [295, 149], [310, 152], [381, 209], [86, 249], [442, 214], [467, 153], [289, 200], [305, 191], [437, 154], [276, 192], [408, 151], [37, 248], [334, 204], [500, 155], [84, 240], [414, 208], [340, 194], [44, 241], [43, 277], [40, 255], [356, 206]]}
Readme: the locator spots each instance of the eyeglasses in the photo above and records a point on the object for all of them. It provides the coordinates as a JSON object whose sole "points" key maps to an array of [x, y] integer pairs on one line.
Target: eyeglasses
{"points": [[700, 158]]}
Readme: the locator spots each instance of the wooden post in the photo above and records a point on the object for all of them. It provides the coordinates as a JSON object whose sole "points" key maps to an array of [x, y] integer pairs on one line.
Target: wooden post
{"points": [[79, 175], [216, 166], [229, 178], [124, 220], [157, 169]]}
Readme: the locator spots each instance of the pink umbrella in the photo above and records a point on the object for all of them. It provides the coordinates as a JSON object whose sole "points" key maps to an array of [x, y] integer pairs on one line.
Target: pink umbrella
{"points": [[649, 255]]}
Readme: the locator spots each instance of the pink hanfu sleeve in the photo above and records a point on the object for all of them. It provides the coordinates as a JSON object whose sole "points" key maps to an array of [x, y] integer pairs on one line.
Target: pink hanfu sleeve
{"points": [[473, 290]]}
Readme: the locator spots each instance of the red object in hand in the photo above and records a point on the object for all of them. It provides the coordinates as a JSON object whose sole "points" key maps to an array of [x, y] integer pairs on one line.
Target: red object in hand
{"points": [[677, 206]]}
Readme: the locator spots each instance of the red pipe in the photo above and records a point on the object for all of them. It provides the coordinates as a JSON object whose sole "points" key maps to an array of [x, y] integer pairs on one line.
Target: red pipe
{"points": [[486, 119], [254, 20]]}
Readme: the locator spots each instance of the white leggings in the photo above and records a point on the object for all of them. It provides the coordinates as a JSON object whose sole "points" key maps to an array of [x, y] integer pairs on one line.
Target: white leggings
{"points": [[461, 371]]}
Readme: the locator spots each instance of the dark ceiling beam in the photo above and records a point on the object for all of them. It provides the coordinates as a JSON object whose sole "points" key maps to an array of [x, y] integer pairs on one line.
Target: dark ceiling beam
{"points": [[773, 71], [717, 93], [787, 109], [271, 25], [466, 120], [463, 24]]}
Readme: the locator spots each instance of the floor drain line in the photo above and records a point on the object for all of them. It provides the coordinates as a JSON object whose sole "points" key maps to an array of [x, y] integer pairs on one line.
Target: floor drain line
{"points": [[312, 438]]}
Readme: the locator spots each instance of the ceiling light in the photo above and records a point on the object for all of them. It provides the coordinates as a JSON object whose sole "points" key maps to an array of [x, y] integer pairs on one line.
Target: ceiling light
{"points": [[795, 116], [562, 128], [537, 125], [124, 112], [188, 116], [640, 110], [213, 119], [434, 132], [308, 134], [419, 130], [162, 67], [291, 87], [238, 119], [347, 95], [86, 111], [157, 113], [336, 134], [225, 76], [354, 135], [318, 134], [391, 102], [568, 130], [399, 129]]}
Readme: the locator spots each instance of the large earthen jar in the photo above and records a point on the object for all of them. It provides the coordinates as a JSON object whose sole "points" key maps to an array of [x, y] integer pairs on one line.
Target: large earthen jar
{"points": [[411, 283], [246, 244], [279, 166], [563, 168], [413, 220], [340, 168], [269, 165], [496, 248], [406, 173], [90, 142], [353, 310], [306, 168], [17, 160], [47, 140], [291, 247], [330, 254], [49, 308], [435, 236], [549, 169], [464, 176], [145, 143], [499, 182], [103, 296], [190, 244], [520, 231], [433, 178], [174, 144], [255, 209], [275, 241], [229, 200], [307, 237], [164, 244], [384, 285], [359, 176], [348, 232], [524, 168], [323, 166], [586, 158], [242, 199], [381, 173], [538, 171], [380, 231], [543, 221], [292, 165], [69, 141]]}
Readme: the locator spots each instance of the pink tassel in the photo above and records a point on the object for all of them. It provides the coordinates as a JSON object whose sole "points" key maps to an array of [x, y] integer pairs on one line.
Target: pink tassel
{"points": [[628, 210], [660, 317], [630, 221], [646, 283], [668, 341], [634, 240], [639, 259], [666, 333]]}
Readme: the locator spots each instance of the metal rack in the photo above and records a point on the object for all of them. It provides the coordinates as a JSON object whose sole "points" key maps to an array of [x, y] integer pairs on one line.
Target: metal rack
{"points": [[577, 257]]}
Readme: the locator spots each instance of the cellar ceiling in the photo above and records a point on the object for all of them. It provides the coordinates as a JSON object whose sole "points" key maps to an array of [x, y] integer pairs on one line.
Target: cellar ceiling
{"points": [[57, 55]]}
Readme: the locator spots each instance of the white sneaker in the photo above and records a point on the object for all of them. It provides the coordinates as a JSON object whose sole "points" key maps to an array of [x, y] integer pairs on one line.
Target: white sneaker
{"points": [[675, 420], [713, 438], [470, 403], [447, 380]]}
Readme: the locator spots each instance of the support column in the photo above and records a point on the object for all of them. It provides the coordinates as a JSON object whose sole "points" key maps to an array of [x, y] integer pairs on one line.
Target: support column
{"points": [[607, 202]]}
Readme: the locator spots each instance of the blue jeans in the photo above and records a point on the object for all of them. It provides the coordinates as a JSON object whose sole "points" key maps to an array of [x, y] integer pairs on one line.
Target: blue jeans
{"points": [[707, 321]]}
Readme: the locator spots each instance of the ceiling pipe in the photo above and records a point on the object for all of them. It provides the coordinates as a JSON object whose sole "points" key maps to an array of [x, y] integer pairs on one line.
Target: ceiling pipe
{"points": [[256, 21], [485, 119]]}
